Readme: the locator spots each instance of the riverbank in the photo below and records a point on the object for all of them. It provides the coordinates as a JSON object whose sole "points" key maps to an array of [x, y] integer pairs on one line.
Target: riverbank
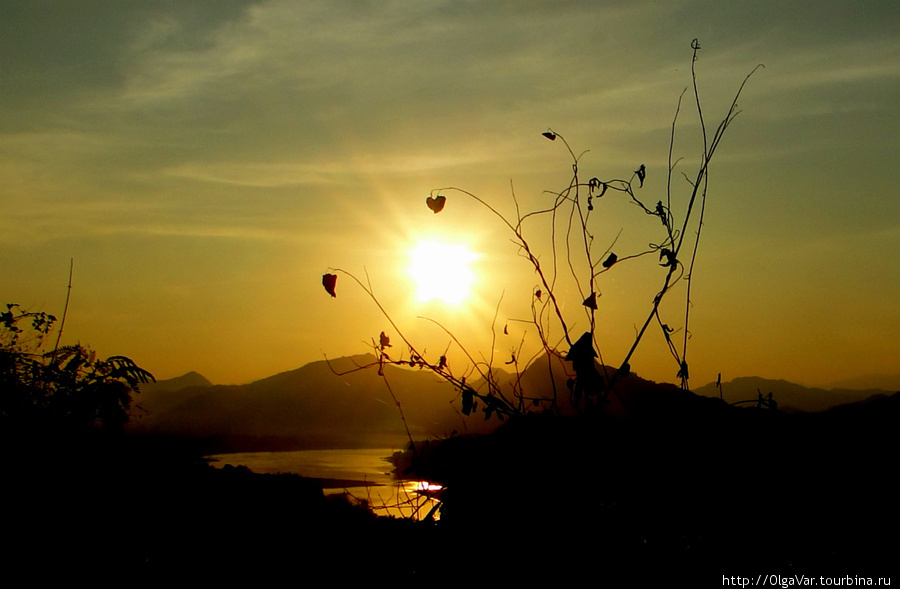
{"points": [[681, 484], [693, 488], [129, 512]]}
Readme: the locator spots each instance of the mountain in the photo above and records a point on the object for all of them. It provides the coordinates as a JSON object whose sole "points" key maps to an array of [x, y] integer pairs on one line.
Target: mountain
{"points": [[337, 404], [191, 379], [159, 397], [788, 395], [325, 404]]}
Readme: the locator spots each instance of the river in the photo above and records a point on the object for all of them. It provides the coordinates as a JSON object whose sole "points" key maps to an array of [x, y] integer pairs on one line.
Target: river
{"points": [[358, 474]]}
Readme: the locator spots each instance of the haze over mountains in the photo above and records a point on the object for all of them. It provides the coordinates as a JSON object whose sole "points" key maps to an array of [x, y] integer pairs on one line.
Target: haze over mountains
{"points": [[790, 396], [310, 407], [331, 405]]}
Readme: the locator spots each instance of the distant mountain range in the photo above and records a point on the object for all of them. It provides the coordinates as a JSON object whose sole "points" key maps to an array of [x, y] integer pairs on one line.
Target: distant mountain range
{"points": [[325, 404], [788, 395], [335, 404]]}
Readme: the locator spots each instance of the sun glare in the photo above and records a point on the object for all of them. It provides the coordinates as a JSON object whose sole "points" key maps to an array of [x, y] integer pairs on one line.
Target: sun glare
{"points": [[441, 272]]}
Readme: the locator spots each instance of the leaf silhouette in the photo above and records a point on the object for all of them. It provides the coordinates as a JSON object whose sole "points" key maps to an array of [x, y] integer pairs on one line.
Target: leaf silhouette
{"points": [[582, 351], [385, 341], [436, 204], [609, 261], [669, 255], [594, 184], [661, 213], [591, 301], [329, 281], [549, 135], [641, 174], [468, 401]]}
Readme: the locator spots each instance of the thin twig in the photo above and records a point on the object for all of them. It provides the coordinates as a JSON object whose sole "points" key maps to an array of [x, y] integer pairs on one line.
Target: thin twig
{"points": [[62, 321]]}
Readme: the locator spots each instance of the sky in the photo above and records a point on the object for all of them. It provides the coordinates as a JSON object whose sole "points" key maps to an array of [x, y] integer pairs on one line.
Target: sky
{"points": [[203, 164]]}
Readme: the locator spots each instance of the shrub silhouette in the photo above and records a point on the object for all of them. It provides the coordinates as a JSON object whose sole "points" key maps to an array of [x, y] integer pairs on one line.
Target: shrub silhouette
{"points": [[66, 389], [577, 259]]}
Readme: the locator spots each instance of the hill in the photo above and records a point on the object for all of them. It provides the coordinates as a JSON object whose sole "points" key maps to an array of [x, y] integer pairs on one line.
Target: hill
{"points": [[681, 484], [789, 396], [185, 381], [665, 483], [334, 404], [325, 404]]}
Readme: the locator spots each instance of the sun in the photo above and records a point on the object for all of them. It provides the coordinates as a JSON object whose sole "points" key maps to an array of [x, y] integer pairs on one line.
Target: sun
{"points": [[441, 272]]}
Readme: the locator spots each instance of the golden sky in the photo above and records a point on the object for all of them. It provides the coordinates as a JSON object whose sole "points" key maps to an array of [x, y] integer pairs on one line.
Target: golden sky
{"points": [[205, 163]]}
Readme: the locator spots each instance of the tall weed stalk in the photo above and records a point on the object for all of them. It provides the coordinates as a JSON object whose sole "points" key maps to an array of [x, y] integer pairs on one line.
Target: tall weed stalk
{"points": [[576, 256]]}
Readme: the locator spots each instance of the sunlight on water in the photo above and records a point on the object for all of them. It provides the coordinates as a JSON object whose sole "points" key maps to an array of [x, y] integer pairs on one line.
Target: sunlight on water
{"points": [[362, 475]]}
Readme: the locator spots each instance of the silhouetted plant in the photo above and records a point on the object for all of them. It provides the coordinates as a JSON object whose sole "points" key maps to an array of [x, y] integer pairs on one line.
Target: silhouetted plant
{"points": [[576, 255], [64, 389]]}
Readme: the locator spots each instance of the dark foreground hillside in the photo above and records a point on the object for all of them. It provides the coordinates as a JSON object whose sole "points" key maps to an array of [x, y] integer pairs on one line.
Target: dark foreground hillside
{"points": [[678, 485], [684, 484], [137, 511]]}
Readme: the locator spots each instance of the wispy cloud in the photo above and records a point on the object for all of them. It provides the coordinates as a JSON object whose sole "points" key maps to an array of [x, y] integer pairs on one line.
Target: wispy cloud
{"points": [[307, 128]]}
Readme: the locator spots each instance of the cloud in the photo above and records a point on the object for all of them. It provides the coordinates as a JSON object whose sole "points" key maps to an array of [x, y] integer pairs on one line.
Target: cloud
{"points": [[302, 131]]}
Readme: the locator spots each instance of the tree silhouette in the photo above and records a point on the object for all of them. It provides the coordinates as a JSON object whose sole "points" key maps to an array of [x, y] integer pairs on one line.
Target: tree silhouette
{"points": [[66, 389]]}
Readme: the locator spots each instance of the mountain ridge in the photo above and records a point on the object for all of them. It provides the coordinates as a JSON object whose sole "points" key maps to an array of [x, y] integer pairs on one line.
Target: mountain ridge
{"points": [[330, 403], [344, 402], [790, 396]]}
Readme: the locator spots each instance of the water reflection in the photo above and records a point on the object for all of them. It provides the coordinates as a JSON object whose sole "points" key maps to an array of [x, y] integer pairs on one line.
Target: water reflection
{"points": [[360, 475], [417, 500]]}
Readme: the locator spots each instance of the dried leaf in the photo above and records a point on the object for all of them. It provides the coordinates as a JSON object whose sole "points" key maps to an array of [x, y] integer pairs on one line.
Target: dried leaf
{"points": [[669, 255], [610, 260], [468, 401], [385, 341], [582, 351], [661, 213], [329, 281], [641, 174], [549, 135], [437, 203], [591, 301]]}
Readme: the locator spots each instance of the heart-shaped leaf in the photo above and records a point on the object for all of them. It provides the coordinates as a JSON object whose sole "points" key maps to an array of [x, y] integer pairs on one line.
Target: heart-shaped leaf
{"points": [[436, 204], [329, 281]]}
